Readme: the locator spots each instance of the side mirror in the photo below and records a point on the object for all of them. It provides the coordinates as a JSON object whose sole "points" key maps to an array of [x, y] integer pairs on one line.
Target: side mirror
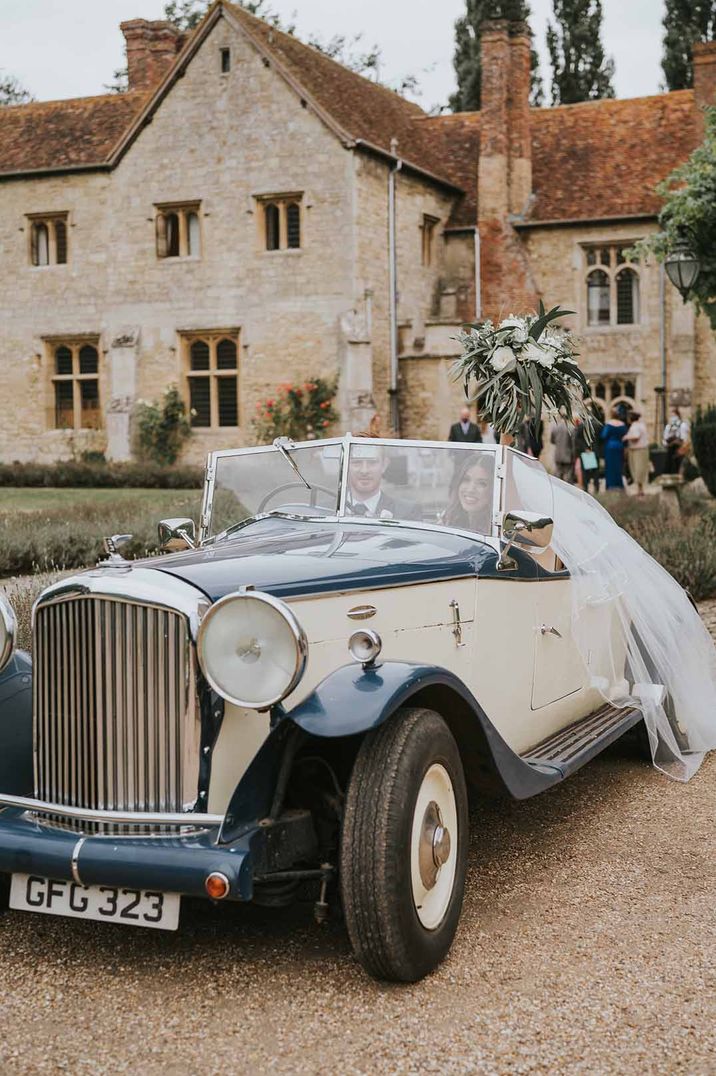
{"points": [[528, 529], [177, 533]]}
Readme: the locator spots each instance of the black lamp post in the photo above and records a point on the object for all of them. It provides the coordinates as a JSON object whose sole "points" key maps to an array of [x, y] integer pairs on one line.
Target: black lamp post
{"points": [[682, 265]]}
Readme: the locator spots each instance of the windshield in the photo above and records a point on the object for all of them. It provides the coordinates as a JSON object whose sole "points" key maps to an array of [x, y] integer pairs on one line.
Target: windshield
{"points": [[254, 482], [445, 485]]}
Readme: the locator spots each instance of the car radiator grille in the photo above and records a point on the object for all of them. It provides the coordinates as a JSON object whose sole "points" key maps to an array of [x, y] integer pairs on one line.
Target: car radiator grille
{"points": [[115, 717]]}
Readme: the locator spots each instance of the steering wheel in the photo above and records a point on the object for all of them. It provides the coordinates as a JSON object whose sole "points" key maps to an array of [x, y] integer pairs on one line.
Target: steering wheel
{"points": [[292, 485]]}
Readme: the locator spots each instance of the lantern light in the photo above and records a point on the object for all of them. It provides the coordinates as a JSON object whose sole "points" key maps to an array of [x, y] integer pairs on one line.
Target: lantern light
{"points": [[682, 265]]}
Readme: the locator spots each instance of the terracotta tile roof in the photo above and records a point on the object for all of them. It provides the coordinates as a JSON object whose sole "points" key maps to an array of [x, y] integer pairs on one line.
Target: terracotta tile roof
{"points": [[362, 109], [604, 158], [593, 160], [64, 134]]}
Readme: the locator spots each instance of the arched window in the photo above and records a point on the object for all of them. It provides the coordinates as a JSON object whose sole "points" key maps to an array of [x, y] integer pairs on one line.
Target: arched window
{"points": [[76, 386], [193, 237], [213, 381], [600, 391], [60, 242], [293, 225], [271, 216], [40, 244], [598, 307], [627, 297], [172, 228]]}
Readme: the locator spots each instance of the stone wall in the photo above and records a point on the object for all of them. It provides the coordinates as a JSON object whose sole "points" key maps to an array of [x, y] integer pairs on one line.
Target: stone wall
{"points": [[220, 139]]}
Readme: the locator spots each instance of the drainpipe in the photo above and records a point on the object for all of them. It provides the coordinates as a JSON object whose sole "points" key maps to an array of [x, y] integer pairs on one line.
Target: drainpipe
{"points": [[393, 286], [478, 276], [661, 419]]}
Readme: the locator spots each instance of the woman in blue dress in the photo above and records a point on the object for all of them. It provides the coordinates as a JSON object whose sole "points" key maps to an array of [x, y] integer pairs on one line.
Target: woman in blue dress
{"points": [[612, 436]]}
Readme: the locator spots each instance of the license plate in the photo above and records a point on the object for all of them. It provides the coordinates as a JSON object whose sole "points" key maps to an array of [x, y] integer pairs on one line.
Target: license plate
{"points": [[130, 907]]}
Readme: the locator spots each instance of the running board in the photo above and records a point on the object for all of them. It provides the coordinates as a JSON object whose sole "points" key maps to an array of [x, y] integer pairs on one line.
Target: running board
{"points": [[567, 750]]}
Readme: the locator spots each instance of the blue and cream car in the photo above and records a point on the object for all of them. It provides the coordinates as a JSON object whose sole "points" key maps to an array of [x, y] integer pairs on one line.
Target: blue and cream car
{"points": [[300, 691]]}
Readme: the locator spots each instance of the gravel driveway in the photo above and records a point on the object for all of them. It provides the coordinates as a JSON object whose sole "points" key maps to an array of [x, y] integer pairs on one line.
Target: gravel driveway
{"points": [[587, 945]]}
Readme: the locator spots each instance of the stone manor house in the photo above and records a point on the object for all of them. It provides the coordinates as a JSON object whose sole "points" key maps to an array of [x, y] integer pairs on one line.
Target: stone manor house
{"points": [[251, 213]]}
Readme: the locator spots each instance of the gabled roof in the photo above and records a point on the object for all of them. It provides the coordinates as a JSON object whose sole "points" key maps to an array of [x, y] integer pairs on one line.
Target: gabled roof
{"points": [[358, 109], [591, 161], [48, 135]]}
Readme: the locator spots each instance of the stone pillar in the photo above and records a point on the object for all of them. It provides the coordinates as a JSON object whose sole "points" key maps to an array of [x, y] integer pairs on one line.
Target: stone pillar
{"points": [[355, 395], [151, 50], [122, 366]]}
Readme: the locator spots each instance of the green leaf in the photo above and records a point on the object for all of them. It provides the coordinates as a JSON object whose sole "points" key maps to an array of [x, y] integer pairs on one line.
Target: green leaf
{"points": [[536, 385], [543, 320]]}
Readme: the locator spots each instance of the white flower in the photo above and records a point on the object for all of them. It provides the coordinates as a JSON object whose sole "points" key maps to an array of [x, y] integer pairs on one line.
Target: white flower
{"points": [[545, 356], [517, 329], [503, 360]]}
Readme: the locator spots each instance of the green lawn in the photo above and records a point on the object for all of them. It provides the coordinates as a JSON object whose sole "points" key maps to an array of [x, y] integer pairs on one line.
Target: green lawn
{"points": [[166, 501]]}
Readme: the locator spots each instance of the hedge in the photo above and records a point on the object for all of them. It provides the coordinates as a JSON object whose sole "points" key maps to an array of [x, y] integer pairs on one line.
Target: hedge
{"points": [[78, 474]]}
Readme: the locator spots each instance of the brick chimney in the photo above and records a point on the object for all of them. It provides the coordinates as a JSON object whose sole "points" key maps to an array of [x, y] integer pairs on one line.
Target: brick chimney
{"points": [[704, 60], [151, 50], [518, 117], [504, 177]]}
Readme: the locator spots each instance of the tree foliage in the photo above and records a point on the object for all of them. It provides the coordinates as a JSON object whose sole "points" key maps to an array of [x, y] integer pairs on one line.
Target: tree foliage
{"points": [[11, 92], [580, 69], [685, 23], [466, 59], [690, 208]]}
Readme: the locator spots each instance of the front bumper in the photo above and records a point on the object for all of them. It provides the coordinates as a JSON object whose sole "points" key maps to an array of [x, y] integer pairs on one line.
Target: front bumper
{"points": [[172, 864]]}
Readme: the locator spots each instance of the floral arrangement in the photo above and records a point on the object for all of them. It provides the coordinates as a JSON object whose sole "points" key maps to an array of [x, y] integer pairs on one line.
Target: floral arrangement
{"points": [[302, 412], [521, 367]]}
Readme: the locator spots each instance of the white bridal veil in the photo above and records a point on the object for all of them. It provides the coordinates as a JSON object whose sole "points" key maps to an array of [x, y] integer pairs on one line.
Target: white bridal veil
{"points": [[640, 637]]}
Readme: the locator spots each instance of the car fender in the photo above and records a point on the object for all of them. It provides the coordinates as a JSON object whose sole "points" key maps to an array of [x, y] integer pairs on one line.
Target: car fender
{"points": [[353, 700], [16, 726]]}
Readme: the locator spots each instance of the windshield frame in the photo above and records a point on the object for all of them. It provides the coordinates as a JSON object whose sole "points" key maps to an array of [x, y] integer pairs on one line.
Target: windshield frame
{"points": [[346, 441]]}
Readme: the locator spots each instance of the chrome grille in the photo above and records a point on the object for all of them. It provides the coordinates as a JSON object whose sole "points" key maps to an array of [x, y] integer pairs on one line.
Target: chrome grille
{"points": [[115, 720]]}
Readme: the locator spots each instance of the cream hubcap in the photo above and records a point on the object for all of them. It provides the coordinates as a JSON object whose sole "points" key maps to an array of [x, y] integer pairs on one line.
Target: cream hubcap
{"points": [[433, 851]]}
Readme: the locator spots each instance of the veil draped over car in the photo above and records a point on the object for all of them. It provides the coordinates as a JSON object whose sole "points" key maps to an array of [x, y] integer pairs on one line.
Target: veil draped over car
{"points": [[643, 642]]}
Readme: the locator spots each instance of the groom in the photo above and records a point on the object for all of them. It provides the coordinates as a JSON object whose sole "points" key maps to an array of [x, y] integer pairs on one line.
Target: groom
{"points": [[366, 496]]}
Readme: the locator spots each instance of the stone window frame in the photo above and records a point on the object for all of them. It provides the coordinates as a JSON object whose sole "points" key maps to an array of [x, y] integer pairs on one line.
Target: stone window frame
{"points": [[76, 377], [224, 59], [213, 372], [176, 237], [606, 260], [428, 236], [612, 388], [287, 210], [57, 247]]}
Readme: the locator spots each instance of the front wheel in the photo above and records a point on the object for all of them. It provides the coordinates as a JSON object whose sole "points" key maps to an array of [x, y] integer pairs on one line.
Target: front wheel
{"points": [[404, 846]]}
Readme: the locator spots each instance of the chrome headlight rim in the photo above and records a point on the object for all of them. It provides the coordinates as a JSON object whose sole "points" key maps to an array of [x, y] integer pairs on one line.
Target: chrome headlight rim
{"points": [[8, 627], [291, 620]]}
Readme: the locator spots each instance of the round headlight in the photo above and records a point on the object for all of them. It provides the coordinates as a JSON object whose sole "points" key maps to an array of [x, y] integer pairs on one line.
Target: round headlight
{"points": [[8, 631], [365, 646], [252, 649]]}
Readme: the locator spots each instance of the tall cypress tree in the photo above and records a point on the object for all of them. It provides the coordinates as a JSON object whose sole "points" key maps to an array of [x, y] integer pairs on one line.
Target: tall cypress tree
{"points": [[685, 22], [580, 69], [466, 60]]}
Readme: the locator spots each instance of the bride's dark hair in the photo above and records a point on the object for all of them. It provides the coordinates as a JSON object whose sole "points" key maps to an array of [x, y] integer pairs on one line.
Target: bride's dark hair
{"points": [[455, 514]]}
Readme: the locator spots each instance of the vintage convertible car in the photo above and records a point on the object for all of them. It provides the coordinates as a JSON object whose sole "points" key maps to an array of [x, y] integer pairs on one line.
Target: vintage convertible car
{"points": [[299, 694]]}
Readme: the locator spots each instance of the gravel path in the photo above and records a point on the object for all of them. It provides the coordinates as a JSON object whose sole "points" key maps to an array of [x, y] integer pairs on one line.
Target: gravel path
{"points": [[587, 945]]}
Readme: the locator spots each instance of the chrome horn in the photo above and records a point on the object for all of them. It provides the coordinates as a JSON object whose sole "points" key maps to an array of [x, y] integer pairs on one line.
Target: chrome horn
{"points": [[526, 528]]}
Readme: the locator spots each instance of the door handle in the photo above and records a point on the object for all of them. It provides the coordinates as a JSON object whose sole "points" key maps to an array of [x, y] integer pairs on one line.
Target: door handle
{"points": [[545, 630]]}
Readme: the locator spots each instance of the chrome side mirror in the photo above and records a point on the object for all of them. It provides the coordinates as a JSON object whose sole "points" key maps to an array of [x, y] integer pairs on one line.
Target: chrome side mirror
{"points": [[177, 533], [527, 529]]}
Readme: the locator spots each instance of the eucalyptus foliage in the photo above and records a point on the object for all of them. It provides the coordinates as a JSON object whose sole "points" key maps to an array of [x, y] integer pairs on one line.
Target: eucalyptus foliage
{"points": [[690, 209], [516, 370]]}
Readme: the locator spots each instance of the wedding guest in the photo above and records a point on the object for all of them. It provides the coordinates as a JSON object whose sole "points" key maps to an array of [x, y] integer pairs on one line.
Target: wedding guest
{"points": [[612, 436], [562, 438], [586, 462], [465, 430], [676, 435], [529, 439], [488, 434], [637, 442], [470, 497]]}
